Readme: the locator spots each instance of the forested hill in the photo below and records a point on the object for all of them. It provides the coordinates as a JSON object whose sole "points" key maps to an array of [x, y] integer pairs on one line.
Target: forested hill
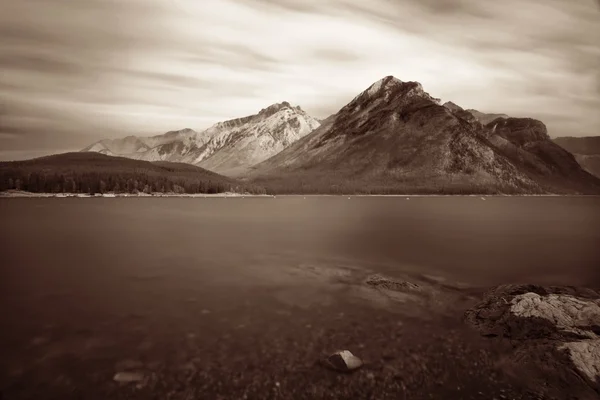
{"points": [[99, 173]]}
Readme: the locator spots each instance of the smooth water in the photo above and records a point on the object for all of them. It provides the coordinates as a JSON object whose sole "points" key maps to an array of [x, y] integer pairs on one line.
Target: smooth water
{"points": [[87, 282], [95, 244]]}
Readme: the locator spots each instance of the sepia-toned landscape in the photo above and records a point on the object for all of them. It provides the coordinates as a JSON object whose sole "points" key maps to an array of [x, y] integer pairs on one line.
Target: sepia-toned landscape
{"points": [[278, 199]]}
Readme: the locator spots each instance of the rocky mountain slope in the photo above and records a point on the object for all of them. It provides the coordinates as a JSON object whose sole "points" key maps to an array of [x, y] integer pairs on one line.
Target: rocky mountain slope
{"points": [[525, 142], [229, 147], [585, 149], [396, 138], [485, 118], [137, 145]]}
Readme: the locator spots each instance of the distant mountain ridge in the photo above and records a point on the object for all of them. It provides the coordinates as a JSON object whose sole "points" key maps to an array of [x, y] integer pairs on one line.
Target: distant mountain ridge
{"points": [[229, 147], [396, 138], [486, 118], [585, 149], [136, 144], [393, 137]]}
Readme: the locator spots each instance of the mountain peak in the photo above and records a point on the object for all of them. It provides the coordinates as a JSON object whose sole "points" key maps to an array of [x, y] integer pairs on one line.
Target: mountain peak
{"points": [[383, 85], [389, 89], [452, 106], [274, 108]]}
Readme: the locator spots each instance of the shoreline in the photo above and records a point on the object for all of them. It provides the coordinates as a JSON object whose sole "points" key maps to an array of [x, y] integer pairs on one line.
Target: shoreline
{"points": [[23, 194], [409, 331]]}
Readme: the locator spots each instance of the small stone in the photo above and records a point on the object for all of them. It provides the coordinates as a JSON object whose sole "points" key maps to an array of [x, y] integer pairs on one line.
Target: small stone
{"points": [[343, 361]]}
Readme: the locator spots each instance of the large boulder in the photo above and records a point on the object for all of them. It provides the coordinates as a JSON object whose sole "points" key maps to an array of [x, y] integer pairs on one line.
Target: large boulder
{"points": [[554, 331]]}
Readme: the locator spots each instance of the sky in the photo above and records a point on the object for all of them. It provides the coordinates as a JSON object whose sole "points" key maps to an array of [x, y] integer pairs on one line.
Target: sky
{"points": [[74, 72]]}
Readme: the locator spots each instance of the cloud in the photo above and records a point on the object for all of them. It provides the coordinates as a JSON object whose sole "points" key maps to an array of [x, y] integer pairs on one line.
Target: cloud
{"points": [[77, 72]]}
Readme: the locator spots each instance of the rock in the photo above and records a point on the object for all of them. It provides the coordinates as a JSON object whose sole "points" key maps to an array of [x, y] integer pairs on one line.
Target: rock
{"points": [[343, 361], [554, 332], [128, 377], [383, 282], [536, 312], [564, 311], [585, 355]]}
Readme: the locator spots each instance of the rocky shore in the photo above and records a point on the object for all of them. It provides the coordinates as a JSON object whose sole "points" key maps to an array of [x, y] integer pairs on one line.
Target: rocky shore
{"points": [[554, 334], [400, 337]]}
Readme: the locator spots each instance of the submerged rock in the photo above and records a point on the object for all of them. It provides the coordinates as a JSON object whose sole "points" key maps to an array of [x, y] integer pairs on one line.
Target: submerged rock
{"points": [[383, 282], [128, 377], [343, 361]]}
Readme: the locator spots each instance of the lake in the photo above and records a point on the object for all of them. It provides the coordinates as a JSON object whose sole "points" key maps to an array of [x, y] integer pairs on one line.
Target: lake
{"points": [[105, 277]]}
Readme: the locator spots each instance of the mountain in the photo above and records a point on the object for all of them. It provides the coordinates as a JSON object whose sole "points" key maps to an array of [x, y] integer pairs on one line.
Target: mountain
{"points": [[137, 145], [127, 145], [396, 138], [229, 147], [589, 145], [90, 172], [585, 149], [525, 142], [486, 118], [464, 115]]}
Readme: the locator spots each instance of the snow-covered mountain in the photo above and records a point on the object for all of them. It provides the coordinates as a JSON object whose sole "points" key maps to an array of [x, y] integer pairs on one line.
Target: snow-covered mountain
{"points": [[229, 147]]}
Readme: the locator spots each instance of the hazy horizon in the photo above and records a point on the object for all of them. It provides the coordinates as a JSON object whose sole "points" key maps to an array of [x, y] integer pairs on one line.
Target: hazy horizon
{"points": [[78, 72]]}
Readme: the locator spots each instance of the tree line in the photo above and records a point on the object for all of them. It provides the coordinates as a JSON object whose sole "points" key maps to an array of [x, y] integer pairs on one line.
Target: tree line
{"points": [[125, 182]]}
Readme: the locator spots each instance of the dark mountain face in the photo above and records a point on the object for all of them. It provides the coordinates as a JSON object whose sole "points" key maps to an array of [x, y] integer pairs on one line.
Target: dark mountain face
{"points": [[525, 142], [586, 151], [463, 114], [580, 145], [395, 137], [486, 118], [519, 131]]}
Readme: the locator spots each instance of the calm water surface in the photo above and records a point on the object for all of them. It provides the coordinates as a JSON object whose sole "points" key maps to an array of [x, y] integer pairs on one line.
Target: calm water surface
{"points": [[102, 279], [85, 243]]}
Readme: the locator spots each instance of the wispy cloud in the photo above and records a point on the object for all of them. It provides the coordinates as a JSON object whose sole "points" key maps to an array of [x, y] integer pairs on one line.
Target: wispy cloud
{"points": [[76, 72]]}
